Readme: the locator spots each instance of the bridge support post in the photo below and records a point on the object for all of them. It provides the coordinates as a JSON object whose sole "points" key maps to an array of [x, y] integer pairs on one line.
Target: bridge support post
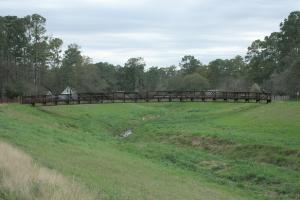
{"points": [[147, 96], [55, 100]]}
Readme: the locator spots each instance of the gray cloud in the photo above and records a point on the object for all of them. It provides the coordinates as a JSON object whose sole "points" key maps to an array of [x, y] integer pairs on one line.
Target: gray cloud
{"points": [[160, 31]]}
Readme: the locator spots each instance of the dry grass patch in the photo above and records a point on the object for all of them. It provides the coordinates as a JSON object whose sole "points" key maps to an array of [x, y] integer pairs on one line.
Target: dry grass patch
{"points": [[21, 178], [279, 156], [210, 143], [150, 117]]}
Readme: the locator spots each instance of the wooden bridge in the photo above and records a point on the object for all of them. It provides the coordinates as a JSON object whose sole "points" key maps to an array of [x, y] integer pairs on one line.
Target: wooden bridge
{"points": [[149, 96]]}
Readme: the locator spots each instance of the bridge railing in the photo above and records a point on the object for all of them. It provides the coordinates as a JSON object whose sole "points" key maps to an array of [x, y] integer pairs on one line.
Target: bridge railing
{"points": [[121, 96]]}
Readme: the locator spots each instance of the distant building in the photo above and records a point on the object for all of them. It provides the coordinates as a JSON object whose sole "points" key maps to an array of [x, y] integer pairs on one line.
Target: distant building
{"points": [[68, 93], [49, 93]]}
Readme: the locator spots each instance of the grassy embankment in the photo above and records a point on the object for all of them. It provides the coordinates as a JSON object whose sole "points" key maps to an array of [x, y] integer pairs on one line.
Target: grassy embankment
{"points": [[176, 151], [22, 178]]}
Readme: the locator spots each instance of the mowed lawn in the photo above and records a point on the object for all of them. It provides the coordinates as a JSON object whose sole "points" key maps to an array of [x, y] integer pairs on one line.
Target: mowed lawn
{"points": [[190, 150]]}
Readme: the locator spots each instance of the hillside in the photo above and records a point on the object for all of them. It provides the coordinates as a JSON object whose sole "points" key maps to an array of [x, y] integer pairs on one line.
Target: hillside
{"points": [[176, 150]]}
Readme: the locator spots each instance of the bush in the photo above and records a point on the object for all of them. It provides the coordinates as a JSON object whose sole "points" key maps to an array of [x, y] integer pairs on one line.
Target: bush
{"points": [[194, 81]]}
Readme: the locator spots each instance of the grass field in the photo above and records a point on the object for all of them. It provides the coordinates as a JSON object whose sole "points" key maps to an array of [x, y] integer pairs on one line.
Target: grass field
{"points": [[177, 150]]}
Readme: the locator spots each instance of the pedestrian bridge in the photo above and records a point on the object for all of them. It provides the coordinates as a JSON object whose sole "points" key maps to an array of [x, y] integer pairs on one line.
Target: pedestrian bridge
{"points": [[147, 96]]}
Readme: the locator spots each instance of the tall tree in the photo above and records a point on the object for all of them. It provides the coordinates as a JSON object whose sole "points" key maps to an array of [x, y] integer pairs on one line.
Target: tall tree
{"points": [[189, 64], [277, 55], [109, 73], [262, 57], [72, 60], [55, 58], [133, 74], [289, 44], [154, 78], [38, 46]]}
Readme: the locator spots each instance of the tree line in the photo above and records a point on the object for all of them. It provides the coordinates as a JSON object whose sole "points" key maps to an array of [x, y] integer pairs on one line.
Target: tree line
{"points": [[31, 62]]}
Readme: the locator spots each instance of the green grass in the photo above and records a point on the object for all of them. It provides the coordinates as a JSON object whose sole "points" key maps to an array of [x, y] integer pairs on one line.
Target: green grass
{"points": [[176, 151]]}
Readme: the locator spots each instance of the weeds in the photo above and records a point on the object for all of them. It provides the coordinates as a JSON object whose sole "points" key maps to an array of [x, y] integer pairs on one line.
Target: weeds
{"points": [[21, 178]]}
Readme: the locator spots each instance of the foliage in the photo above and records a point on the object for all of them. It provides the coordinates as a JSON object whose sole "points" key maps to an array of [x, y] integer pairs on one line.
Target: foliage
{"points": [[277, 56], [33, 63], [194, 82], [133, 74], [220, 71], [189, 64]]}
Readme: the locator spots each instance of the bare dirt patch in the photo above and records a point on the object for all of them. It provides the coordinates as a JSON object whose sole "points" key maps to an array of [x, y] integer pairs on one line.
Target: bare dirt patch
{"points": [[209, 143], [214, 165]]}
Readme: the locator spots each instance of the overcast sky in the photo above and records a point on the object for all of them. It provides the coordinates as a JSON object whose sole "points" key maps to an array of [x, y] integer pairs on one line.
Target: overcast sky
{"points": [[160, 31]]}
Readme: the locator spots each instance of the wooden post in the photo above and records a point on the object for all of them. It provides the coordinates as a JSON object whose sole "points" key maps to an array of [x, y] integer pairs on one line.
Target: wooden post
{"points": [[225, 96], [135, 99], [147, 96], [44, 100], [214, 95], [257, 97], [33, 100]]}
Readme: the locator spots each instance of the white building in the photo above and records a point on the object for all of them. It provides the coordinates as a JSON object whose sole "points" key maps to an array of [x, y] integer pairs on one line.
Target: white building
{"points": [[68, 93]]}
